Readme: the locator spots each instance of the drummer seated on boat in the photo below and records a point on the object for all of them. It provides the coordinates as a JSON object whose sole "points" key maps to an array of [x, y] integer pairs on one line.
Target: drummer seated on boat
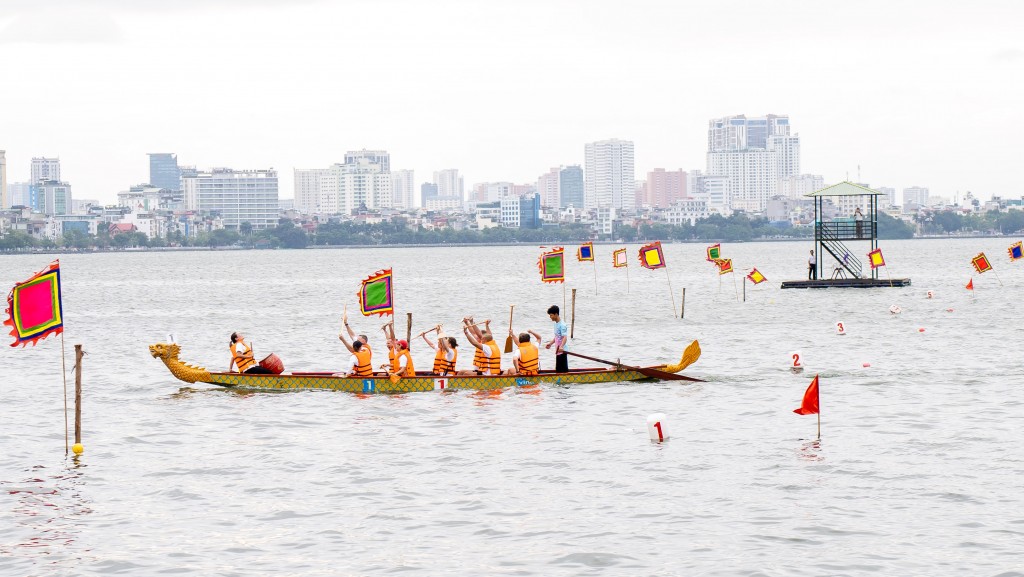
{"points": [[525, 358], [403, 358], [242, 357], [490, 354], [446, 352], [359, 364]]}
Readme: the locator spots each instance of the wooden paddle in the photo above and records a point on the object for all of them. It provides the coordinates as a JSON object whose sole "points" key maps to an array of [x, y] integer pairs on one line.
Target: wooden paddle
{"points": [[655, 373], [509, 342]]}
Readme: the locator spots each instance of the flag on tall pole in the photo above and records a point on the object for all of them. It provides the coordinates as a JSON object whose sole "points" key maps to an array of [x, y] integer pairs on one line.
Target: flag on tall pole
{"points": [[875, 258], [982, 264], [619, 259], [34, 309], [376, 294], [1016, 251], [552, 265], [586, 252], [756, 277], [652, 257], [714, 252], [810, 405]]}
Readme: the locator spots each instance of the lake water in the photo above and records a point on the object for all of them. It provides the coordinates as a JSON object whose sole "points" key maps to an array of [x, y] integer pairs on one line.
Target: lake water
{"points": [[919, 470]]}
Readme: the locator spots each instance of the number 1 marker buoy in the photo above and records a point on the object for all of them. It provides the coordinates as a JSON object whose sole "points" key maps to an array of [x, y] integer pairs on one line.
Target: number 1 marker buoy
{"points": [[656, 428]]}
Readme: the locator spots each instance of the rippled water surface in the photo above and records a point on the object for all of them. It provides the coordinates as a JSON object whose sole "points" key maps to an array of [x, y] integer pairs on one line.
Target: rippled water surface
{"points": [[918, 472]]}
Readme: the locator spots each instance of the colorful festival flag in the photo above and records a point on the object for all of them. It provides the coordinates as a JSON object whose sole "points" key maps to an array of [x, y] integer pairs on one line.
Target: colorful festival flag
{"points": [[809, 406], [651, 256], [724, 265], [714, 252], [756, 277], [619, 258], [970, 284], [34, 309], [551, 266], [981, 263], [875, 258], [376, 294], [1016, 250], [585, 252]]}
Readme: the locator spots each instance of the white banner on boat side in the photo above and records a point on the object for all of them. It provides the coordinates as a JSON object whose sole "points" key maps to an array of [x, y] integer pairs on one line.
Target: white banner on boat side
{"points": [[440, 384]]}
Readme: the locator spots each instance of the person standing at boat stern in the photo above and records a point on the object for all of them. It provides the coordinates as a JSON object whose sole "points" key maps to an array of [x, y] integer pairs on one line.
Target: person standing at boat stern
{"points": [[561, 336], [242, 357]]}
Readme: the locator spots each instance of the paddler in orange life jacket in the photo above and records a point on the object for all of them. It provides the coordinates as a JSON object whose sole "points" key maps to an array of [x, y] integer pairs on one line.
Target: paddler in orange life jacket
{"points": [[364, 346], [392, 344], [526, 357], [479, 360], [242, 357], [490, 354], [403, 358], [445, 352]]}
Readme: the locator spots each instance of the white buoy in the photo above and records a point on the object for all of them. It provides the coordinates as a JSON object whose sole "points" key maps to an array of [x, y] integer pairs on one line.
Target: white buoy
{"points": [[895, 309], [840, 328], [796, 366], [656, 428], [930, 294]]}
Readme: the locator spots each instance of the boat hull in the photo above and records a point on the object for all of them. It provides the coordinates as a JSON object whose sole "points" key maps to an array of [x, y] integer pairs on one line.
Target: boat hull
{"points": [[382, 384]]}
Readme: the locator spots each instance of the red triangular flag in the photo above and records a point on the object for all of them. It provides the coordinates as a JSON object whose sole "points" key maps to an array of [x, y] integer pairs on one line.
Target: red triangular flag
{"points": [[810, 404], [970, 284]]}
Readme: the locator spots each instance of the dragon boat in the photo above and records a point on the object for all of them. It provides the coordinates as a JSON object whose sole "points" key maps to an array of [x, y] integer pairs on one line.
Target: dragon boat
{"points": [[382, 383]]}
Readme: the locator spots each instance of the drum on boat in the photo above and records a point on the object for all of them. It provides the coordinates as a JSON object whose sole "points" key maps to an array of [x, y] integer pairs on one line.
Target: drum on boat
{"points": [[273, 364]]}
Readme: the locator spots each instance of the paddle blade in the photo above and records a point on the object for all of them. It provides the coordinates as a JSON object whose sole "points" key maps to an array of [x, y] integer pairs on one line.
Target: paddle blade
{"points": [[394, 378], [509, 344]]}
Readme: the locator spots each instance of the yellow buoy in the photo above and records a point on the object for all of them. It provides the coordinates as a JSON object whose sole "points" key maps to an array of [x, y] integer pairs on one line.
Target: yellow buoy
{"points": [[77, 448]]}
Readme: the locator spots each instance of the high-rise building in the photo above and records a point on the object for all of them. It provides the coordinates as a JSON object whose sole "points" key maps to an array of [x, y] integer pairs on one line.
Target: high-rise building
{"points": [[571, 191], [3, 180], [403, 189], [754, 153], [164, 171], [916, 195], [343, 188], [237, 195], [449, 183], [380, 158], [53, 197], [547, 187], [797, 187], [664, 187], [45, 169], [890, 195], [23, 194], [609, 178], [428, 190], [492, 191]]}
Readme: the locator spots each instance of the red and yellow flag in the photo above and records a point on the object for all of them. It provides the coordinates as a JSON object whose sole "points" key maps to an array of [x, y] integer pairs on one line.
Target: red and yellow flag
{"points": [[981, 263], [756, 277], [875, 258], [724, 265], [651, 256], [34, 309]]}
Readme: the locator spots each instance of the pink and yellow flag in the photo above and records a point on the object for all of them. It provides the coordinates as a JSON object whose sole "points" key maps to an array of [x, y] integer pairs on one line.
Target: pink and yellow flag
{"points": [[651, 256], [619, 258], [875, 258], [376, 294], [34, 307], [551, 265]]}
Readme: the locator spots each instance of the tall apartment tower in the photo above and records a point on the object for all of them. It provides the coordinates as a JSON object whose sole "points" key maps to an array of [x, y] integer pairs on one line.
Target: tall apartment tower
{"points": [[238, 195], [45, 169], [449, 183], [3, 180], [164, 171], [403, 189], [381, 158], [571, 191], [548, 187], [664, 187], [754, 154], [609, 180]]}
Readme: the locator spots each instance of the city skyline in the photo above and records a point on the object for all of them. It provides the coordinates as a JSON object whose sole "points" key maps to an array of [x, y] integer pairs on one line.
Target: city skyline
{"points": [[864, 83]]}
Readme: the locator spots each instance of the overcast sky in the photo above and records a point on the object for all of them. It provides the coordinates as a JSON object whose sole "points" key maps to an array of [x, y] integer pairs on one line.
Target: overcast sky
{"points": [[914, 93]]}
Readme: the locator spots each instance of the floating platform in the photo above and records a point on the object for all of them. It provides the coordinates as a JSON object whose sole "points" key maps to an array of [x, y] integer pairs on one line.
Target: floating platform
{"points": [[846, 283]]}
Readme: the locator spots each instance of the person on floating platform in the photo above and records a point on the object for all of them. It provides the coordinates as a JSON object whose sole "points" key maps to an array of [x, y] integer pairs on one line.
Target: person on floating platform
{"points": [[559, 341], [490, 354], [445, 354], [392, 344], [479, 360], [242, 357], [362, 339], [812, 269], [858, 218], [526, 358], [403, 360]]}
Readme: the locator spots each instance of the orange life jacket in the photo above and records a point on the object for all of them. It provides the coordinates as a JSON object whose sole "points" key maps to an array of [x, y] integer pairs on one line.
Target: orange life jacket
{"points": [[243, 360], [410, 370], [393, 359], [441, 364], [493, 363], [479, 360], [364, 363], [527, 363]]}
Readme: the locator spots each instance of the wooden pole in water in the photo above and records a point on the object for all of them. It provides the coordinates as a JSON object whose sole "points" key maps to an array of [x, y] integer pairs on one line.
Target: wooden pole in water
{"points": [[408, 329], [682, 308], [572, 324], [78, 394]]}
